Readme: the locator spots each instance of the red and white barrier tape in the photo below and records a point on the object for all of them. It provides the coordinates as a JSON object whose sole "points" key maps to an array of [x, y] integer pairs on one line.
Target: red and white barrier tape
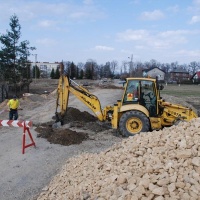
{"points": [[16, 123]]}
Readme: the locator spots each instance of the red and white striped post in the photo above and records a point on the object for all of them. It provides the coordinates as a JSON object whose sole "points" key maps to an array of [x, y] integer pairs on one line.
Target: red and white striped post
{"points": [[19, 123]]}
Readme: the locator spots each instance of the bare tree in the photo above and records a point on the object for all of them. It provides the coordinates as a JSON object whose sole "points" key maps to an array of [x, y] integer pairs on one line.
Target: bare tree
{"points": [[138, 70], [174, 65], [124, 66], [124, 73], [80, 65], [80, 70], [113, 66], [194, 67], [166, 68]]}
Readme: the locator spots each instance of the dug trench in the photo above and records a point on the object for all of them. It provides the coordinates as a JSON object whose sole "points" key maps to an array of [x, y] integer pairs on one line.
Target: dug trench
{"points": [[86, 124]]}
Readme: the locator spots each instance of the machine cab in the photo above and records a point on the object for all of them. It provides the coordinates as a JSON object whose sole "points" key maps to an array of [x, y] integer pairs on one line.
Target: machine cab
{"points": [[141, 91]]}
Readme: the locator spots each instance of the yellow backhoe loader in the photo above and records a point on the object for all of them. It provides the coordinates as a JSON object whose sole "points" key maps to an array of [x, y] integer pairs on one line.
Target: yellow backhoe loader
{"points": [[141, 108]]}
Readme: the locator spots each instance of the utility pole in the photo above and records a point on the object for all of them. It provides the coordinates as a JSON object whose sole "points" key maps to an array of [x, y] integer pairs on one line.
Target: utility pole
{"points": [[35, 66], [131, 65], [28, 72]]}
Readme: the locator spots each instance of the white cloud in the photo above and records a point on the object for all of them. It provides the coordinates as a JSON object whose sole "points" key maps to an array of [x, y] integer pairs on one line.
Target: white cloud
{"points": [[135, 2], [195, 8], [104, 48], [46, 42], [194, 53], [79, 15], [46, 23], [156, 39], [140, 47], [136, 35], [195, 19], [27, 10], [125, 51], [174, 33], [174, 37], [173, 9], [154, 15], [197, 2], [87, 2]]}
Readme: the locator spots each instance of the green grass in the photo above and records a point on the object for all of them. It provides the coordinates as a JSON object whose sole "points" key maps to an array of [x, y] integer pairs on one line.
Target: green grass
{"points": [[182, 90]]}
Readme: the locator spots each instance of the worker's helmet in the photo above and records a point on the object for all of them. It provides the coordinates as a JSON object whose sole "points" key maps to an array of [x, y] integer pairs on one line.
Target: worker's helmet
{"points": [[14, 96]]}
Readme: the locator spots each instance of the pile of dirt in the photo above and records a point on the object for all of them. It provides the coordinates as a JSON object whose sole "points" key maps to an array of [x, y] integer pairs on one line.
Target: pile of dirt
{"points": [[73, 114], [74, 119], [64, 137]]}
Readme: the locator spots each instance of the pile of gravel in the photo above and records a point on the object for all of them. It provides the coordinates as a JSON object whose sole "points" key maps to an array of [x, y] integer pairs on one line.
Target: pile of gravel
{"points": [[157, 165]]}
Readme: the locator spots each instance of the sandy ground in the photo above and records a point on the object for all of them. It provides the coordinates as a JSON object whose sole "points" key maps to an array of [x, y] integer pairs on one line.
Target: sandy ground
{"points": [[23, 176]]}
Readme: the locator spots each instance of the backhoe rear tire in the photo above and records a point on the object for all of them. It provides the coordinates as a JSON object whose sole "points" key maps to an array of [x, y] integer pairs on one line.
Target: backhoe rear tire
{"points": [[133, 122]]}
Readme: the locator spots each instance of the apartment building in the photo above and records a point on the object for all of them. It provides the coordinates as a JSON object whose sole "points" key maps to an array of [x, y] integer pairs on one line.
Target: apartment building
{"points": [[45, 67]]}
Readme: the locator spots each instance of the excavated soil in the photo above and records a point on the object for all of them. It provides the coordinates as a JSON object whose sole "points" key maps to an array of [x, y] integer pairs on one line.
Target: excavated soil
{"points": [[74, 114], [65, 136]]}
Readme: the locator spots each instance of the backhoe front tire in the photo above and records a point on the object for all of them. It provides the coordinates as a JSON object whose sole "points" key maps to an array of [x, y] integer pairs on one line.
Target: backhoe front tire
{"points": [[133, 122]]}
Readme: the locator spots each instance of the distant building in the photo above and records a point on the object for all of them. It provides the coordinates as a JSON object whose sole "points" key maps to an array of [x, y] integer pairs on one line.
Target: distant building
{"points": [[45, 68], [154, 72], [179, 74]]}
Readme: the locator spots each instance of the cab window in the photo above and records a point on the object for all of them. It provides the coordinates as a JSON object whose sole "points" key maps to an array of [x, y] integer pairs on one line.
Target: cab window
{"points": [[148, 97], [132, 91]]}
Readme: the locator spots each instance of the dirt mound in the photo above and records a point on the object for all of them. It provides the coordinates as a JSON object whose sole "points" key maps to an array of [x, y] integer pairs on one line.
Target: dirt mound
{"points": [[61, 136], [76, 119], [74, 114]]}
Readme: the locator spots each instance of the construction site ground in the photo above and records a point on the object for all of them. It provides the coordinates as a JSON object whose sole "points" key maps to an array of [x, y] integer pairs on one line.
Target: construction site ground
{"points": [[24, 176]]}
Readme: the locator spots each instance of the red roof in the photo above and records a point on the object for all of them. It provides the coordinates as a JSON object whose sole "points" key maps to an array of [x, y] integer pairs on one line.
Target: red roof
{"points": [[198, 74]]}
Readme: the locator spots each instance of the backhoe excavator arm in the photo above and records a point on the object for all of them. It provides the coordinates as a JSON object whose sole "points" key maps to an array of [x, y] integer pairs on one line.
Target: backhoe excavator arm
{"points": [[67, 86]]}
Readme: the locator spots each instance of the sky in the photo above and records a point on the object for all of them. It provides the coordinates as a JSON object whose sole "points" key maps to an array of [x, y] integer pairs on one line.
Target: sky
{"points": [[107, 30]]}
